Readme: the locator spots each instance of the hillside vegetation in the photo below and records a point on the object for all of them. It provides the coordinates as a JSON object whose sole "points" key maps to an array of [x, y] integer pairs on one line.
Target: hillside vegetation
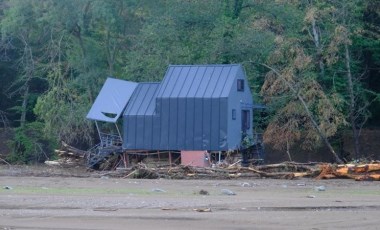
{"points": [[315, 64]]}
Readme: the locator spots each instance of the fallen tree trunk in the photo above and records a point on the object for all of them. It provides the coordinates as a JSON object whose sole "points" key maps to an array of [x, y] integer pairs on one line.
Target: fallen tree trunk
{"points": [[351, 171], [288, 167], [73, 151], [68, 156], [281, 175]]}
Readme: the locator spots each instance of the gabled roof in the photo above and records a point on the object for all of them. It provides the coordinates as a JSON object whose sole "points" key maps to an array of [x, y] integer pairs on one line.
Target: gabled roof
{"points": [[143, 100], [198, 81], [111, 100]]}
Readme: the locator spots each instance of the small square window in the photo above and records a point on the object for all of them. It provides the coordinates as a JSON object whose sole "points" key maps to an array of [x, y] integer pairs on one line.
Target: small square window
{"points": [[240, 85], [234, 114]]}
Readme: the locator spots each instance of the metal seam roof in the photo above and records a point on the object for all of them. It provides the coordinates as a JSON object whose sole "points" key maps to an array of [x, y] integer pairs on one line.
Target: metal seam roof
{"points": [[143, 100], [111, 100], [204, 81]]}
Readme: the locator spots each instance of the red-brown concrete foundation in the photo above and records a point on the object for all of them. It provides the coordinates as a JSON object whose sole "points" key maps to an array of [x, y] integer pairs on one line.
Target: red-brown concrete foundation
{"points": [[195, 158]]}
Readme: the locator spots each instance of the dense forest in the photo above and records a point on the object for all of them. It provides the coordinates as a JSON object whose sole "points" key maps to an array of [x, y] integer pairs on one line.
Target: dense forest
{"points": [[315, 64]]}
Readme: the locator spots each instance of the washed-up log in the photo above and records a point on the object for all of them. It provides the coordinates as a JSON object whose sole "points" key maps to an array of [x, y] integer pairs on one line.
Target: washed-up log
{"points": [[278, 175], [143, 174], [58, 151], [73, 151], [303, 174], [327, 171], [288, 167], [351, 171], [357, 169], [370, 177], [365, 168], [53, 163], [326, 176], [342, 171], [68, 157], [288, 170], [65, 162]]}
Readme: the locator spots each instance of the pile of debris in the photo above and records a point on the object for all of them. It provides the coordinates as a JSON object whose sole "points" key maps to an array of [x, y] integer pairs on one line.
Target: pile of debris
{"points": [[73, 157], [68, 156], [286, 170], [359, 172]]}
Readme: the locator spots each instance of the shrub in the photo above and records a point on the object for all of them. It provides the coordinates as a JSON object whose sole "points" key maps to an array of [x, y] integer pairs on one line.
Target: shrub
{"points": [[30, 145]]}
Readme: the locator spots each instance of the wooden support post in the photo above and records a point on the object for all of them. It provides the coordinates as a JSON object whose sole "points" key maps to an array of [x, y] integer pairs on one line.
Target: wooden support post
{"points": [[170, 159], [126, 159]]}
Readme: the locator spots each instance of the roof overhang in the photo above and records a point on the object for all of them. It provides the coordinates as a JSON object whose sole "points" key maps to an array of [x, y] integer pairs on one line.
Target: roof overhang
{"points": [[111, 100]]}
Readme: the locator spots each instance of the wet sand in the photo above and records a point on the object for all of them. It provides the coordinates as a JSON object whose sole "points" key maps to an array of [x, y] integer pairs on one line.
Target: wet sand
{"points": [[28, 202]]}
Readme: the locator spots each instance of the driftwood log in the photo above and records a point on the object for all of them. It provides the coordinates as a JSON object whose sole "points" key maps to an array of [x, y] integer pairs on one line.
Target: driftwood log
{"points": [[72, 151], [369, 171], [69, 156]]}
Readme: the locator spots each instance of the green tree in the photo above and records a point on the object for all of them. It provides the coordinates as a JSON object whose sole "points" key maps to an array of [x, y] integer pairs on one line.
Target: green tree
{"points": [[21, 32], [305, 112], [342, 54]]}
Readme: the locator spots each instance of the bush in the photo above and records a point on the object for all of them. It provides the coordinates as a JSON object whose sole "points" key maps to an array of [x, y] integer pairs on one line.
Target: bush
{"points": [[30, 145]]}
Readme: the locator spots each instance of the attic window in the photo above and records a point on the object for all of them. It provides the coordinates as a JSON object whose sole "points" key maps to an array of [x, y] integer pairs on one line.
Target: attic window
{"points": [[240, 85]]}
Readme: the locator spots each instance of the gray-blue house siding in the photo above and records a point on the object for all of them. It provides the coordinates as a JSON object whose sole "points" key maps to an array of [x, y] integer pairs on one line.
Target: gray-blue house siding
{"points": [[195, 107]]}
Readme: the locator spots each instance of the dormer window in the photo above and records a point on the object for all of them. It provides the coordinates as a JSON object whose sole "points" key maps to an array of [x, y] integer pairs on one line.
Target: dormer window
{"points": [[240, 85]]}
